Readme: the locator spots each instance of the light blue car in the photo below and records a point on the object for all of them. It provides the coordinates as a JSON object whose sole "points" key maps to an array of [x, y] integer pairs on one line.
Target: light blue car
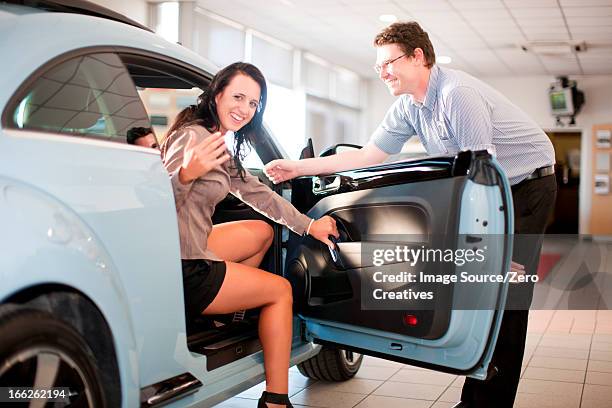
{"points": [[91, 293]]}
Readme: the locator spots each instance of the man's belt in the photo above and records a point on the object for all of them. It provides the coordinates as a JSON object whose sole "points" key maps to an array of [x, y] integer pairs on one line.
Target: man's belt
{"points": [[541, 172]]}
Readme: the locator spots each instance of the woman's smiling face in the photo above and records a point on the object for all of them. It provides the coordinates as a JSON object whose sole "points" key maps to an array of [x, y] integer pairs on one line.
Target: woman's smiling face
{"points": [[237, 103]]}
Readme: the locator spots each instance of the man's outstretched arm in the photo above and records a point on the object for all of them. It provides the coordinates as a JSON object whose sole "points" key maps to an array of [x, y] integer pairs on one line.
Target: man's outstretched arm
{"points": [[283, 170]]}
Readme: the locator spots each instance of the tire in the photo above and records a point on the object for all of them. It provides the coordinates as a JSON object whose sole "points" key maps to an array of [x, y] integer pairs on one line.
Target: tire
{"points": [[32, 339], [331, 365]]}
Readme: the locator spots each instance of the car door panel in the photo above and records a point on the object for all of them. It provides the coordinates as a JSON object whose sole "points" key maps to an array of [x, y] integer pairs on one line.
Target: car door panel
{"points": [[432, 203], [363, 217]]}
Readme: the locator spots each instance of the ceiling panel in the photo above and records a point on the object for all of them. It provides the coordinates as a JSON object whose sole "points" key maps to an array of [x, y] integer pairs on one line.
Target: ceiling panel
{"points": [[476, 4], [375, 10], [561, 35], [502, 25], [485, 14], [587, 11], [596, 62], [530, 3], [536, 12], [544, 30], [584, 3], [427, 5], [541, 23], [521, 62], [566, 62], [451, 17], [589, 21]]}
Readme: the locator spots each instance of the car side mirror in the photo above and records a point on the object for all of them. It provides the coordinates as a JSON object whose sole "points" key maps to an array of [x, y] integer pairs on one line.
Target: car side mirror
{"points": [[339, 148], [308, 151]]}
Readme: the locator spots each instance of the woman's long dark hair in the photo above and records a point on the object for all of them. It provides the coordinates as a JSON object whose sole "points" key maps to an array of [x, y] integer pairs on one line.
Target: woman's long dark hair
{"points": [[205, 112]]}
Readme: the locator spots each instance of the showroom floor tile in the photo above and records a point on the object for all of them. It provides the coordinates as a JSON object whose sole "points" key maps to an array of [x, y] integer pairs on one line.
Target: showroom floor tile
{"points": [[562, 370], [567, 364]]}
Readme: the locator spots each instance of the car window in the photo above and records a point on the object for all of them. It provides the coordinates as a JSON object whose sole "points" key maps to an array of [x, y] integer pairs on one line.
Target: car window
{"points": [[86, 95]]}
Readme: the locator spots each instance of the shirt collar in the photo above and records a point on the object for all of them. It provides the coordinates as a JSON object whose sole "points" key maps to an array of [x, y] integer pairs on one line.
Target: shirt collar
{"points": [[432, 88]]}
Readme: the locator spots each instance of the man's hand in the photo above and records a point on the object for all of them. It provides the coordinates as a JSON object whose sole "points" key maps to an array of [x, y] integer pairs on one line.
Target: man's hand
{"points": [[517, 268], [322, 228], [201, 158], [281, 170]]}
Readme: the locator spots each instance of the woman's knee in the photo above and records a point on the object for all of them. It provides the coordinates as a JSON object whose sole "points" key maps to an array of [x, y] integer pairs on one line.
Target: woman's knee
{"points": [[283, 290]]}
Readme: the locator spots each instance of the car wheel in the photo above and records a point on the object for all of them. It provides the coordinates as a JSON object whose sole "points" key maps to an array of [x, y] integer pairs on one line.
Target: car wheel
{"points": [[37, 350], [331, 365]]}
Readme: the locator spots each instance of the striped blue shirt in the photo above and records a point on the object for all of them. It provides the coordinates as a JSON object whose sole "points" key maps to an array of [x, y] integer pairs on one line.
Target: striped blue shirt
{"points": [[461, 112]]}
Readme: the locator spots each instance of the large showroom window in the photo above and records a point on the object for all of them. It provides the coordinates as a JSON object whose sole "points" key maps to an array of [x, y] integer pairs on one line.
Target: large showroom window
{"points": [[302, 87], [218, 39], [167, 20]]}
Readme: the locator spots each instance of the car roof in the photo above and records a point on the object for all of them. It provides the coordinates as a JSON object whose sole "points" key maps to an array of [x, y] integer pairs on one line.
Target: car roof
{"points": [[32, 37], [77, 6]]}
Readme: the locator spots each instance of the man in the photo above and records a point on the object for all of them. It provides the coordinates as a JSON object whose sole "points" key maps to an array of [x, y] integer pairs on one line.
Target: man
{"points": [[451, 111], [142, 136]]}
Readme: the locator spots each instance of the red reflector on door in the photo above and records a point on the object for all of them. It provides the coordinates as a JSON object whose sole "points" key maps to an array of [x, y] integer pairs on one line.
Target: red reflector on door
{"points": [[411, 320]]}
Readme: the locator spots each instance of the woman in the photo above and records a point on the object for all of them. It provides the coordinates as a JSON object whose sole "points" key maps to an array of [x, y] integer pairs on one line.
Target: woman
{"points": [[249, 240], [202, 174]]}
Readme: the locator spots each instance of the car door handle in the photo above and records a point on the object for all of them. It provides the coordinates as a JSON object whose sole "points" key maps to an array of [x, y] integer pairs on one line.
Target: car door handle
{"points": [[326, 184]]}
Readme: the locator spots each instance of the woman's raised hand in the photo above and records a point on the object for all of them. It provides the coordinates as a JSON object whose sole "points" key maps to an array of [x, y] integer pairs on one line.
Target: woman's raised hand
{"points": [[199, 159]]}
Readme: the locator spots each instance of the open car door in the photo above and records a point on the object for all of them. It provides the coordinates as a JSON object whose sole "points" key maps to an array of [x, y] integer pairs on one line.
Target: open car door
{"points": [[460, 204]]}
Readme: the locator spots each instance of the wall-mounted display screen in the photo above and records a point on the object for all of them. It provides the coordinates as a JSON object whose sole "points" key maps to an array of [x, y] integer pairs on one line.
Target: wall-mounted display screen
{"points": [[561, 102]]}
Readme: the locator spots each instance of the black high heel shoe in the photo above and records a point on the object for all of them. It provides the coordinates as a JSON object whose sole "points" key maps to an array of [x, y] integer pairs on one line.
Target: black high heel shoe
{"points": [[273, 399]]}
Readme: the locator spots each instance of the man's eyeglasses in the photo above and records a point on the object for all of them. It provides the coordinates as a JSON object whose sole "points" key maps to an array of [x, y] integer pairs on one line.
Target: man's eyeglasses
{"points": [[379, 67]]}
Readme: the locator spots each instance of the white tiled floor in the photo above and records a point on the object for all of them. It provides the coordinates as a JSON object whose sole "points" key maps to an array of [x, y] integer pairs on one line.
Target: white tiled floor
{"points": [[564, 367], [567, 364]]}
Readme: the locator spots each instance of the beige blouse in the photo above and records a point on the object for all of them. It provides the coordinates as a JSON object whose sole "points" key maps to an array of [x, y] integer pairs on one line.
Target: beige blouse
{"points": [[196, 201]]}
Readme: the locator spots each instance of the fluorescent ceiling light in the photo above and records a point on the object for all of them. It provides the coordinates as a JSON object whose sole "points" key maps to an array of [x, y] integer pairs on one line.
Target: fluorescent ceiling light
{"points": [[387, 18], [444, 59], [554, 48]]}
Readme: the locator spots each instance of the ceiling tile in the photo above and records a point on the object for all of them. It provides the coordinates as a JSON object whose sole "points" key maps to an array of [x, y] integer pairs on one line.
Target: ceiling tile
{"points": [[585, 3], [587, 11], [463, 44], [578, 30], [589, 21], [437, 15], [483, 55], [351, 2], [485, 14], [544, 30], [504, 30], [536, 12], [547, 36], [596, 70], [333, 10], [533, 22], [559, 67], [516, 57], [476, 4], [494, 68], [427, 5], [530, 3]]}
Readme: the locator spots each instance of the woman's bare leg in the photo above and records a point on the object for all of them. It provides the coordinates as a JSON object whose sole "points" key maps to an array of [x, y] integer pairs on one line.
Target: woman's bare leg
{"points": [[246, 288], [244, 242]]}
